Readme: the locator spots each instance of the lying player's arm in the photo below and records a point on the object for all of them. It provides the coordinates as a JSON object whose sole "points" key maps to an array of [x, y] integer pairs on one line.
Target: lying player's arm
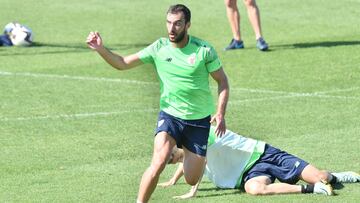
{"points": [[178, 173], [94, 41], [191, 193]]}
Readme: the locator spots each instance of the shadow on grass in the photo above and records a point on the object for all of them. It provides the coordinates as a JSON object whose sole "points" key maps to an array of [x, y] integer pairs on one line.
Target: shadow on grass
{"points": [[326, 44], [217, 192], [53, 48], [220, 192], [338, 186]]}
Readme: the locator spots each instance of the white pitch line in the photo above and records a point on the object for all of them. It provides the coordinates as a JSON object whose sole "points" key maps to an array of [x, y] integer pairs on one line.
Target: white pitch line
{"points": [[43, 75], [26, 74], [289, 96], [77, 115], [261, 99], [96, 114], [297, 93], [259, 90], [336, 97], [339, 90], [78, 78]]}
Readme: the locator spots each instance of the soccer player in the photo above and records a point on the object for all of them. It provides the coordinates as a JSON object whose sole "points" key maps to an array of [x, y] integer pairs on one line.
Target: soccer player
{"points": [[233, 15], [183, 64], [234, 161]]}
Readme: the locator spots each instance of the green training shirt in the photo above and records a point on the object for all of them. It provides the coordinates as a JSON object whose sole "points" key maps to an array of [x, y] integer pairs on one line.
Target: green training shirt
{"points": [[184, 76]]}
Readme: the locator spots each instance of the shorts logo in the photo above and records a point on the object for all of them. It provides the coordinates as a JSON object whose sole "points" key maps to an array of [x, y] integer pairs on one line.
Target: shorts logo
{"points": [[200, 147], [160, 122], [297, 163]]}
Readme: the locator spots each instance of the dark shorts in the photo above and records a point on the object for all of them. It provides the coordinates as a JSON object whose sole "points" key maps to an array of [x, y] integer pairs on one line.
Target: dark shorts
{"points": [[192, 134], [5, 40], [277, 164]]}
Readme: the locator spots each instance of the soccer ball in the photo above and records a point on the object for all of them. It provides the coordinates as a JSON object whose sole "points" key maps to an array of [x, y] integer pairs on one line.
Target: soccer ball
{"points": [[20, 35], [9, 27]]}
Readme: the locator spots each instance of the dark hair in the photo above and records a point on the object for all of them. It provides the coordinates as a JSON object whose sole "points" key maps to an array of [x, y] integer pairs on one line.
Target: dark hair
{"points": [[180, 8]]}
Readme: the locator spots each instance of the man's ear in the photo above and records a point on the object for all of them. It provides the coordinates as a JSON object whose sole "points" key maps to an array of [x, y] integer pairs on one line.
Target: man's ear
{"points": [[188, 25]]}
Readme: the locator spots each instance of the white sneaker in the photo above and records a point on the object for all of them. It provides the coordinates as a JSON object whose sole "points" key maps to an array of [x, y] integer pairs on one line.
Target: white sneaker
{"points": [[347, 177], [322, 188]]}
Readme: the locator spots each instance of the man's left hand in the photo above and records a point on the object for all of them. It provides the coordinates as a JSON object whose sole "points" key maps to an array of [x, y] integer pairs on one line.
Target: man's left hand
{"points": [[220, 124]]}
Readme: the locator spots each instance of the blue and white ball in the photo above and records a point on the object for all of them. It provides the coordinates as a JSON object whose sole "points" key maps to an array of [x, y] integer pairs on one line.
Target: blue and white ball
{"points": [[9, 27], [20, 35]]}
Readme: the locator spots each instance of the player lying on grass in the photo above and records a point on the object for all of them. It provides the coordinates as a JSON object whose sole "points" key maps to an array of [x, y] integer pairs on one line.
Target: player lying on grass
{"points": [[234, 161]]}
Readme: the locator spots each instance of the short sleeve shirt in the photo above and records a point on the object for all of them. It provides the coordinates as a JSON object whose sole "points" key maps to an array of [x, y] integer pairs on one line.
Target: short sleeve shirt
{"points": [[184, 76], [229, 157]]}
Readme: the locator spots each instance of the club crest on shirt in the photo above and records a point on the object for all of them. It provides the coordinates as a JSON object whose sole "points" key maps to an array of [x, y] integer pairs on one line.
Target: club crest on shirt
{"points": [[191, 59]]}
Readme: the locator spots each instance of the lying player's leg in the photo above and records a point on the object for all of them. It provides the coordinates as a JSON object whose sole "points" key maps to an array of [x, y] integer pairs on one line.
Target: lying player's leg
{"points": [[262, 185], [346, 177], [312, 175], [318, 180]]}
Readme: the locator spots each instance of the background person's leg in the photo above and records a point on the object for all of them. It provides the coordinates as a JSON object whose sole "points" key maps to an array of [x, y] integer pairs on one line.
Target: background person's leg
{"points": [[233, 16], [254, 17]]}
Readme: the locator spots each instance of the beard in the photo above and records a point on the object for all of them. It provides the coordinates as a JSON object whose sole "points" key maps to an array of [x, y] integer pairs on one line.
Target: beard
{"points": [[179, 37]]}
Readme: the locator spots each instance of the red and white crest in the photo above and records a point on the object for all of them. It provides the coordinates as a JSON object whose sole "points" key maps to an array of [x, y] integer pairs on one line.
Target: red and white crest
{"points": [[191, 59]]}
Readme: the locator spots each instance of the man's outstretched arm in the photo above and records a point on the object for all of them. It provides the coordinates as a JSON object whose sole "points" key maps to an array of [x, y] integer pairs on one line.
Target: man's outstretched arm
{"points": [[177, 175], [95, 42]]}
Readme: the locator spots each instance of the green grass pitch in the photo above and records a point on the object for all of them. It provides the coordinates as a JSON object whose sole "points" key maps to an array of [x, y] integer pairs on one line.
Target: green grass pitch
{"points": [[73, 129]]}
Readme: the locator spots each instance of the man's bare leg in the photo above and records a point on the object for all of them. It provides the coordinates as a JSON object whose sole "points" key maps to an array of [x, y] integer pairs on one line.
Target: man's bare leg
{"points": [[163, 145], [254, 17], [233, 16], [262, 185], [194, 165], [312, 175]]}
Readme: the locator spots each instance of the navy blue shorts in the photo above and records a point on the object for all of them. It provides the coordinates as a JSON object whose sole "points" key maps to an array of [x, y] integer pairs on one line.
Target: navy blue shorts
{"points": [[5, 40], [192, 134], [277, 164]]}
